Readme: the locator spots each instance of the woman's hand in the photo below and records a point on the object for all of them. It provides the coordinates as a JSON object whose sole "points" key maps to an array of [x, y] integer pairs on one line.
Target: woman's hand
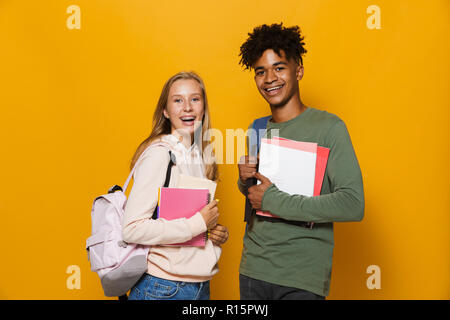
{"points": [[218, 235], [210, 214]]}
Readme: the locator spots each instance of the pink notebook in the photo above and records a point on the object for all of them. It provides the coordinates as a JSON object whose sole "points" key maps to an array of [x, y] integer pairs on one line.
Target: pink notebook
{"points": [[176, 203], [321, 165]]}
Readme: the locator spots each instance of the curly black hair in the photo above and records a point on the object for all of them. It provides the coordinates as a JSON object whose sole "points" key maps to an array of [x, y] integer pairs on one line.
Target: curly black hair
{"points": [[275, 37]]}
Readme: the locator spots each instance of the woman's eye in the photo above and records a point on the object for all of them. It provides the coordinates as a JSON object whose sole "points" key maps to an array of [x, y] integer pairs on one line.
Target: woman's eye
{"points": [[177, 100], [195, 99]]}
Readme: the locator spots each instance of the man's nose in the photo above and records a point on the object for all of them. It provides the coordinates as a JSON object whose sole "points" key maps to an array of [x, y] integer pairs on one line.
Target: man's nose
{"points": [[271, 76]]}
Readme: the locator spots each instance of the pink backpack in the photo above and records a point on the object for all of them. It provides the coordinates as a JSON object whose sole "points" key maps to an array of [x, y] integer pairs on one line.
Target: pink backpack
{"points": [[118, 264]]}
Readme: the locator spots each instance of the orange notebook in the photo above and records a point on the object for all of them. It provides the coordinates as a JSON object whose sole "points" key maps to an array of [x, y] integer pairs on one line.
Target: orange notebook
{"points": [[321, 165], [176, 203]]}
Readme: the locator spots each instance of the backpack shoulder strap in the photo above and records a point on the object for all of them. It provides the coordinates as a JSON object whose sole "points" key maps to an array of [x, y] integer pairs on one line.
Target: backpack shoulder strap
{"points": [[169, 169], [171, 163], [259, 126], [254, 141]]}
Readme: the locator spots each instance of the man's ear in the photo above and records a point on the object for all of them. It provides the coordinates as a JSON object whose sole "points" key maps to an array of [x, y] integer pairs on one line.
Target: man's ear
{"points": [[300, 72]]}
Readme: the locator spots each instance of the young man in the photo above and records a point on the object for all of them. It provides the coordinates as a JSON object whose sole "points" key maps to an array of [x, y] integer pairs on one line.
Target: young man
{"points": [[284, 258]]}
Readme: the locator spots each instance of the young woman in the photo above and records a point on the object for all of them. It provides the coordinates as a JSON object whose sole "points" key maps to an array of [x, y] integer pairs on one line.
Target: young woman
{"points": [[174, 272]]}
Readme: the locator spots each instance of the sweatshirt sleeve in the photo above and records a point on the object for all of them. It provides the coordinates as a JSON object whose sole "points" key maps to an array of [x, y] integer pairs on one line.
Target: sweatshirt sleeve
{"points": [[138, 227], [345, 202]]}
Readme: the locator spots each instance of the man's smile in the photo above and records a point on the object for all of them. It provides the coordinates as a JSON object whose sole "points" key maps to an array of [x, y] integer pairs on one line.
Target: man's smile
{"points": [[272, 91]]}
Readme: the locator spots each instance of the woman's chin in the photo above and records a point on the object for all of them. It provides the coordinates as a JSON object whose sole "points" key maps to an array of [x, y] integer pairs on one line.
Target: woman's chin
{"points": [[188, 129]]}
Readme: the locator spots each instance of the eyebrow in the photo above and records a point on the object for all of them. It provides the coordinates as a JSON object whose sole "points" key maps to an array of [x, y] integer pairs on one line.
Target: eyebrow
{"points": [[278, 63], [181, 95], [274, 65]]}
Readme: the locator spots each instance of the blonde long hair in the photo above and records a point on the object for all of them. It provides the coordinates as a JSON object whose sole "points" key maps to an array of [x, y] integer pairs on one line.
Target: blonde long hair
{"points": [[161, 125]]}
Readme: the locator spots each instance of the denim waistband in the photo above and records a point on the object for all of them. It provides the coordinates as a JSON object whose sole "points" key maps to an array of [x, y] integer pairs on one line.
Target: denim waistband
{"points": [[181, 283]]}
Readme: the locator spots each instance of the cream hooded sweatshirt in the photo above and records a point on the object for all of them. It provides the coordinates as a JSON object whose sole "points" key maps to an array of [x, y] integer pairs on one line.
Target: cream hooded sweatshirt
{"points": [[190, 264]]}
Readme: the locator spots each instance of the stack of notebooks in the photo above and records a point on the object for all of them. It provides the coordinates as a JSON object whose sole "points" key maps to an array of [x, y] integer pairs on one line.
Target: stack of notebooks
{"points": [[184, 201], [295, 167]]}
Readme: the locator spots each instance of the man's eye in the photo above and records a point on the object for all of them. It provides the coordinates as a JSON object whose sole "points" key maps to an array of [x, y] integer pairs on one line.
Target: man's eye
{"points": [[280, 68], [259, 73]]}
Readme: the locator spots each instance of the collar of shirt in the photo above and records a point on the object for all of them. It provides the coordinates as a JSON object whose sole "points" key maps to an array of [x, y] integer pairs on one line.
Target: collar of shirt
{"points": [[188, 158]]}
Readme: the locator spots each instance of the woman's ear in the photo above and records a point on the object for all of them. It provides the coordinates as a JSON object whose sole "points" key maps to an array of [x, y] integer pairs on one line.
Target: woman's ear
{"points": [[166, 115]]}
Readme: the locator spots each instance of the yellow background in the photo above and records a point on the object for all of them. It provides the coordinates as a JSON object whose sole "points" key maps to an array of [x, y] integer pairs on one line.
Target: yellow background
{"points": [[76, 103]]}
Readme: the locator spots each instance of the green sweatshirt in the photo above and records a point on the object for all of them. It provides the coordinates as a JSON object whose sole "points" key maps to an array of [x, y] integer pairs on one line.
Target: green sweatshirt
{"points": [[294, 256]]}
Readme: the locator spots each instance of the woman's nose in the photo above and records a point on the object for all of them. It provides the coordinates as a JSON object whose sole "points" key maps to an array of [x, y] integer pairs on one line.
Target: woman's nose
{"points": [[187, 106]]}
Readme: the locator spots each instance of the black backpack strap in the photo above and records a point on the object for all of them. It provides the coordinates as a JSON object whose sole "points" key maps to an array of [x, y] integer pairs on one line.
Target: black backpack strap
{"points": [[169, 169], [167, 181]]}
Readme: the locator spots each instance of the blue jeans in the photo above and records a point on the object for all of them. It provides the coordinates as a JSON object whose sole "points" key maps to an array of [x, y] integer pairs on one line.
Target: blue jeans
{"points": [[153, 288]]}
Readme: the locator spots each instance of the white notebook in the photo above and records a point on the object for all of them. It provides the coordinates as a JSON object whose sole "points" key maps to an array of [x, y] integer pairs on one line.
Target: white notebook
{"points": [[289, 164], [185, 181]]}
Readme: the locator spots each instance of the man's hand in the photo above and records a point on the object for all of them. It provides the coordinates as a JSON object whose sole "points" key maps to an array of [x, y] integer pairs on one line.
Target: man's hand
{"points": [[255, 193], [247, 166]]}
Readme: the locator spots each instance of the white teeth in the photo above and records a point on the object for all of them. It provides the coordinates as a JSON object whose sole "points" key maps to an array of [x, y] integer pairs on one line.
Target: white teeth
{"points": [[188, 118], [274, 88]]}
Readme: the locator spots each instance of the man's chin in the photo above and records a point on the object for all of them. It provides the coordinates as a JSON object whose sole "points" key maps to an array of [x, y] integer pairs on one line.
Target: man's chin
{"points": [[276, 104]]}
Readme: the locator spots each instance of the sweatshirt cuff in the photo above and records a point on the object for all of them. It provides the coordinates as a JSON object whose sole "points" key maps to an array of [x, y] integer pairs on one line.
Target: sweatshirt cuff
{"points": [[196, 224], [266, 202]]}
